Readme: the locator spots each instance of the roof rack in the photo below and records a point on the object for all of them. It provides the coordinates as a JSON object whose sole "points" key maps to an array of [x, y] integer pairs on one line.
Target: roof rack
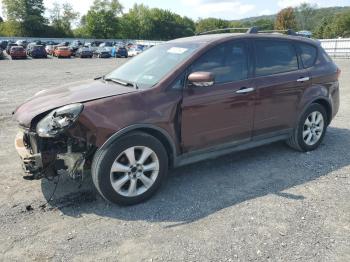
{"points": [[288, 31], [223, 29], [250, 30]]}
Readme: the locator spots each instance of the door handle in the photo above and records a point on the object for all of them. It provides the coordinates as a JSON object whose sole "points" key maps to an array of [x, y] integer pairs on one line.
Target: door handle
{"points": [[245, 90], [303, 79]]}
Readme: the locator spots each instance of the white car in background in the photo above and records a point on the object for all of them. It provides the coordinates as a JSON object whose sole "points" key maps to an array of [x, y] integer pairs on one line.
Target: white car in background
{"points": [[134, 51], [107, 46]]}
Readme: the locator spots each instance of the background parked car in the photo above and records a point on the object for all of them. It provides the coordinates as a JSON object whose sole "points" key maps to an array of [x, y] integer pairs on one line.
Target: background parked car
{"points": [[1, 53], [3, 44], [135, 51], [93, 46], [49, 49], [62, 51], [84, 52], [103, 52], [119, 51], [63, 44], [38, 51], [38, 42], [51, 43], [29, 47], [23, 43], [74, 46], [18, 52], [9, 46], [108, 46]]}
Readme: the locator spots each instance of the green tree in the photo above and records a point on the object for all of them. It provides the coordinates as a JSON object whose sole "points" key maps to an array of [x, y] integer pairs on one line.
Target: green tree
{"points": [[304, 16], [29, 13], [142, 22], [209, 24], [102, 19], [341, 26], [62, 17], [264, 24], [286, 19], [81, 31], [11, 28], [323, 29]]}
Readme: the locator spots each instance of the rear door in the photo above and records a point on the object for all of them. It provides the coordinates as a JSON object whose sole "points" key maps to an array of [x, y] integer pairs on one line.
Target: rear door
{"points": [[223, 112], [280, 82]]}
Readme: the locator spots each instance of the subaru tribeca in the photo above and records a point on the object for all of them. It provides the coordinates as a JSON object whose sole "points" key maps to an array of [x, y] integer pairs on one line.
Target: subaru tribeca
{"points": [[180, 102]]}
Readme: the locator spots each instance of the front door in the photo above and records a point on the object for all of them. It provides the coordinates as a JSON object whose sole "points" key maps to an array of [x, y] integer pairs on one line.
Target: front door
{"points": [[223, 112]]}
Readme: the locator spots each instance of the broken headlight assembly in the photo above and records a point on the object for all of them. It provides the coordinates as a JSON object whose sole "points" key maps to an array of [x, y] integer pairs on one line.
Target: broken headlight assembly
{"points": [[57, 121]]}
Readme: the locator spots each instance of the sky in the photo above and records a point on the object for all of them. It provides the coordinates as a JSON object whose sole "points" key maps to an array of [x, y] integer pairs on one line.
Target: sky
{"points": [[225, 9]]}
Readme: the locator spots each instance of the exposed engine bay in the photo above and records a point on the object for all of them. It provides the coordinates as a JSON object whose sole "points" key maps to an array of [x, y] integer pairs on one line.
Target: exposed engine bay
{"points": [[49, 151]]}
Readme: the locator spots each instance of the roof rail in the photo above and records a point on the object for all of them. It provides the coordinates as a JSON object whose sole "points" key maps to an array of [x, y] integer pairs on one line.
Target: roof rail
{"points": [[288, 31], [225, 29], [250, 30]]}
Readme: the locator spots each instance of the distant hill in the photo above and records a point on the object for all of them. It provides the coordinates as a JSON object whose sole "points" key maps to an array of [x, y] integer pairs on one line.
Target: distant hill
{"points": [[320, 13]]}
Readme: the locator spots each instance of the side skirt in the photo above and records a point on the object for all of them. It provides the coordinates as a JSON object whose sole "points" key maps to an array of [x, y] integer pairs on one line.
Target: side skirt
{"points": [[216, 151]]}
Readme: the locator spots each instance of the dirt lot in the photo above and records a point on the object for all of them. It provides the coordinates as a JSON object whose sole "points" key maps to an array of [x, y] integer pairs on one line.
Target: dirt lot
{"points": [[266, 204]]}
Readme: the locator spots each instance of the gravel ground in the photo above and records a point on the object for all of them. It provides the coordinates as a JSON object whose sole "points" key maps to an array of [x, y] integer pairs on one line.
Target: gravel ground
{"points": [[265, 204]]}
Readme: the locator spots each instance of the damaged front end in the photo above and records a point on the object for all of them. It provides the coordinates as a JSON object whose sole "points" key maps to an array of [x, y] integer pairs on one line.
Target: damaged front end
{"points": [[49, 150]]}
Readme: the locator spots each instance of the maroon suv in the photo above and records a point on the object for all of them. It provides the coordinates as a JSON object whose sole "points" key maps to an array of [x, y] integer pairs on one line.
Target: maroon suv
{"points": [[180, 102]]}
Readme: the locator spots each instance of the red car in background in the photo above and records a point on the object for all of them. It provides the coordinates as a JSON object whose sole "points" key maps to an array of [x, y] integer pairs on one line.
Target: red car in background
{"points": [[18, 52], [62, 51]]}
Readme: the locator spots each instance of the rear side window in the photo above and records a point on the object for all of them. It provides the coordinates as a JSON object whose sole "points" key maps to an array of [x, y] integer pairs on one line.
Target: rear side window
{"points": [[308, 54], [228, 62], [273, 57]]}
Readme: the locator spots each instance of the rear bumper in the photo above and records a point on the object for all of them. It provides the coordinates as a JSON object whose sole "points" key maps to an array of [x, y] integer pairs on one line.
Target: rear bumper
{"points": [[63, 54], [18, 56], [86, 55]]}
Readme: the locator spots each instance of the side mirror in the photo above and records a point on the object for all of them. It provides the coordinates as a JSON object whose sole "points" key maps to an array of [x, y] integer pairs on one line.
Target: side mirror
{"points": [[201, 79]]}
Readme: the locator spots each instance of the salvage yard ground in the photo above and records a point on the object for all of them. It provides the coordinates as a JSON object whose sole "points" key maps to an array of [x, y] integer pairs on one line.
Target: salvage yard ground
{"points": [[265, 204]]}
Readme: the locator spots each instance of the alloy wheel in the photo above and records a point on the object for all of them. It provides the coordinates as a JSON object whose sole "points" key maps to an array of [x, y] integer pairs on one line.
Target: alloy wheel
{"points": [[313, 128], [134, 171]]}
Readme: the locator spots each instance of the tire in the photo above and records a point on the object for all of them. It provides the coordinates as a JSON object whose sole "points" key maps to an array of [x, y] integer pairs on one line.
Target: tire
{"points": [[299, 139], [137, 143]]}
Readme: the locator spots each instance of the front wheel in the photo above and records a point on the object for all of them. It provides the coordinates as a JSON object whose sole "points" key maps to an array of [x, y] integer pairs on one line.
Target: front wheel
{"points": [[311, 129], [131, 169]]}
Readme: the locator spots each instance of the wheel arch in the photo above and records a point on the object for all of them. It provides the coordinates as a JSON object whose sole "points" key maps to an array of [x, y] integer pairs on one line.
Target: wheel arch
{"points": [[321, 100], [327, 106], [157, 132]]}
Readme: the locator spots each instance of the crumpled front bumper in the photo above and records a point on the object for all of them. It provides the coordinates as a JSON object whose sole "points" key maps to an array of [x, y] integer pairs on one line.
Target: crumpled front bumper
{"points": [[32, 162], [41, 158]]}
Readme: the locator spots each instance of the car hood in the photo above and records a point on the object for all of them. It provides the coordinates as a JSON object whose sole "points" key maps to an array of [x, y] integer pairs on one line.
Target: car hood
{"points": [[76, 92]]}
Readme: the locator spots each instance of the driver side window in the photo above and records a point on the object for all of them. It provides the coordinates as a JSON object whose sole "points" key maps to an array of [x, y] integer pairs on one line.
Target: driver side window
{"points": [[228, 62]]}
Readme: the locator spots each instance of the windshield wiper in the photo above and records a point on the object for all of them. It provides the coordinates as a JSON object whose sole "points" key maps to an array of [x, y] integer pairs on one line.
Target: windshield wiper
{"points": [[122, 82]]}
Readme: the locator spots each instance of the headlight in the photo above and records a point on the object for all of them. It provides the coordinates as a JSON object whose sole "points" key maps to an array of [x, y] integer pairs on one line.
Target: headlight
{"points": [[58, 120]]}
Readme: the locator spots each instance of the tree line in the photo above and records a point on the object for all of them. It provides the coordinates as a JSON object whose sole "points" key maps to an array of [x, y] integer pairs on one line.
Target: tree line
{"points": [[106, 19]]}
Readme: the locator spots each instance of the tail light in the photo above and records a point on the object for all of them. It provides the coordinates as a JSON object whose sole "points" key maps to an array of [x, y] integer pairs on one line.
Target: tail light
{"points": [[338, 73]]}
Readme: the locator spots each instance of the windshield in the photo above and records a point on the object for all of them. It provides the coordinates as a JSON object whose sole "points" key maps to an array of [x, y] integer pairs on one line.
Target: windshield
{"points": [[148, 68]]}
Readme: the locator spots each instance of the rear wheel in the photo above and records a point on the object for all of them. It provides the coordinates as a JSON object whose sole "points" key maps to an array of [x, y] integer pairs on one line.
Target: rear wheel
{"points": [[131, 169], [311, 129]]}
